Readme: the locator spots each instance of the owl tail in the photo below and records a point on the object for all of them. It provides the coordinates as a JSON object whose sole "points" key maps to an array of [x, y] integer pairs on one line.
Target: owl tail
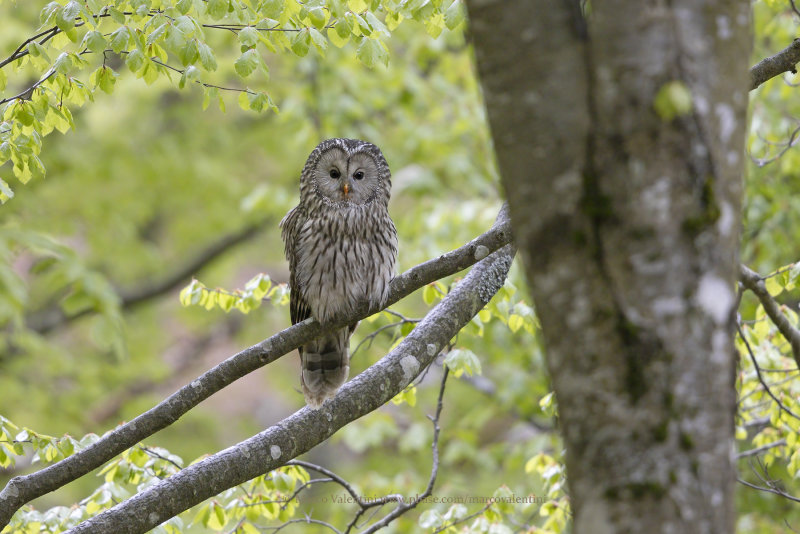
{"points": [[325, 366]]}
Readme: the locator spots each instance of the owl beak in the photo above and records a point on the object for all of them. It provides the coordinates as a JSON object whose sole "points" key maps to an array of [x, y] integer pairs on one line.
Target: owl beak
{"points": [[345, 189]]}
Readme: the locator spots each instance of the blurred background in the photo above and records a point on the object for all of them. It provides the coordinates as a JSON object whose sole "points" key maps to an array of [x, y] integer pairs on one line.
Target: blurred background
{"points": [[151, 190]]}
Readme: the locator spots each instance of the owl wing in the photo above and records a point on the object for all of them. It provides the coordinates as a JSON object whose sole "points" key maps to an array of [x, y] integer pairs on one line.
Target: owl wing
{"points": [[290, 229]]}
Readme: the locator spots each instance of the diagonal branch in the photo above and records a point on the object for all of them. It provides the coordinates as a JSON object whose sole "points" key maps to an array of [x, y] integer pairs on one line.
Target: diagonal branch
{"points": [[20, 490], [306, 428], [784, 61], [755, 283]]}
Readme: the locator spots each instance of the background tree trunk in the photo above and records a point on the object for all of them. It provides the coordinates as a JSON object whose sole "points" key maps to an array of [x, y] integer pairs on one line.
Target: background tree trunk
{"points": [[628, 221]]}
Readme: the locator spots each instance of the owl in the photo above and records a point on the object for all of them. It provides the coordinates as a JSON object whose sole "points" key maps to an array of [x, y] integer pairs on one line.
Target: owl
{"points": [[342, 246]]}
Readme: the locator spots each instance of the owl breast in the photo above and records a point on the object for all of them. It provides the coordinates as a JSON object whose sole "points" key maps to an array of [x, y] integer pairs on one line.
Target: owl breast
{"points": [[344, 258]]}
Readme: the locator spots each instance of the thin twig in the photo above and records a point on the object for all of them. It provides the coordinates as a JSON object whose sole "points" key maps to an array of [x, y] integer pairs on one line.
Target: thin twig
{"points": [[404, 507], [759, 450], [330, 474], [761, 378], [761, 162], [304, 520], [462, 520]]}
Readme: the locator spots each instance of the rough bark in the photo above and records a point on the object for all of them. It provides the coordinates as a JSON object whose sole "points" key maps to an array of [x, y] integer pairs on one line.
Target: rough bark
{"points": [[306, 428], [628, 223], [23, 489]]}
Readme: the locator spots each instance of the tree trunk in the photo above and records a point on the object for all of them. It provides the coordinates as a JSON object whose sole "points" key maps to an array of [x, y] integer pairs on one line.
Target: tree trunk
{"points": [[619, 138]]}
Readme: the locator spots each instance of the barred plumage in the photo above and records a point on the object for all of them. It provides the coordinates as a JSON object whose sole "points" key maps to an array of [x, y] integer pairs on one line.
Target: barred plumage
{"points": [[341, 245]]}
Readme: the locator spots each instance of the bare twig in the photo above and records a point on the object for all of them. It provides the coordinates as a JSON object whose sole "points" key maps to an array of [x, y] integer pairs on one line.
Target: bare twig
{"points": [[304, 520], [760, 162], [761, 378], [763, 448], [403, 507], [769, 484], [331, 475]]}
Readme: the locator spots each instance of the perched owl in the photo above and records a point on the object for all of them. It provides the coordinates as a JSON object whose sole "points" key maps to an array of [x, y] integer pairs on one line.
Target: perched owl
{"points": [[341, 245]]}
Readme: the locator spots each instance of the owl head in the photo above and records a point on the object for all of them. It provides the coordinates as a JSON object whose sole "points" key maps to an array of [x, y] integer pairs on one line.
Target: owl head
{"points": [[345, 173]]}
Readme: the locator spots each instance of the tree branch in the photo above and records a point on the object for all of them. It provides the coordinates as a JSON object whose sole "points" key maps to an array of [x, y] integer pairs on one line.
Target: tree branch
{"points": [[768, 68], [755, 283], [758, 450], [306, 428], [20, 490]]}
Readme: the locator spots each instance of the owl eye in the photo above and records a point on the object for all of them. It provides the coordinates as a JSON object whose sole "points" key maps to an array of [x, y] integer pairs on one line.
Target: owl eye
{"points": [[358, 175], [335, 174]]}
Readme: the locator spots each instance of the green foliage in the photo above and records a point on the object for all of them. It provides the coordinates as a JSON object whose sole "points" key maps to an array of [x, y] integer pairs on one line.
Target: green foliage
{"points": [[248, 508], [257, 290], [80, 40]]}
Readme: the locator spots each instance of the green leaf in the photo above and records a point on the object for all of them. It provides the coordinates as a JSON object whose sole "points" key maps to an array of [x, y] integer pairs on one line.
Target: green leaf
{"points": [[207, 58], [104, 78], [62, 63], [393, 20], [319, 40], [337, 41], [515, 322], [48, 12], [135, 60], [272, 9], [120, 39], [248, 36], [344, 28], [318, 17], [357, 6], [434, 25], [376, 24], [244, 101], [184, 6], [259, 101], [5, 191], [773, 285], [218, 517], [116, 15], [462, 361], [454, 15], [372, 52], [189, 54], [217, 8], [226, 301], [94, 41], [247, 63], [301, 42], [156, 34], [65, 18], [429, 294]]}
